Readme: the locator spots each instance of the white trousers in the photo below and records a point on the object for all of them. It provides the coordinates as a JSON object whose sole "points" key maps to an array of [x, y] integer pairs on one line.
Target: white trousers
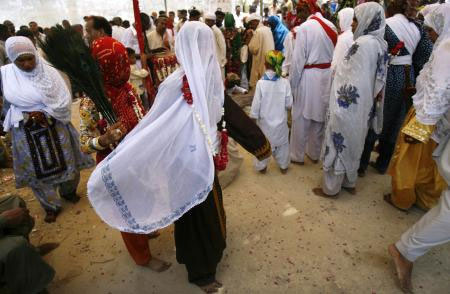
{"points": [[431, 230], [244, 78], [332, 183], [281, 155], [306, 137]]}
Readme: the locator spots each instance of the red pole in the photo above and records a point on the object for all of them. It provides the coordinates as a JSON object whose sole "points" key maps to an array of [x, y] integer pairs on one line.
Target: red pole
{"points": [[137, 21]]}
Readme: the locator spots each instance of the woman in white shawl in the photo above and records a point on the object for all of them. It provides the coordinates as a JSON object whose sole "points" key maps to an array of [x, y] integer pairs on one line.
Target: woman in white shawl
{"points": [[345, 39], [45, 145], [354, 100], [432, 122], [163, 171]]}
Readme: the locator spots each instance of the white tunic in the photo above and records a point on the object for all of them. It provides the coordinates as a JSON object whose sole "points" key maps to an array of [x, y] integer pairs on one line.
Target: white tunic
{"points": [[407, 32], [288, 44], [221, 47], [311, 87], [117, 33], [271, 101], [129, 39]]}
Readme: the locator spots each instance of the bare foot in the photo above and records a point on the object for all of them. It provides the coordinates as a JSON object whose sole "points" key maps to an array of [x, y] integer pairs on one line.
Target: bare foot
{"points": [[283, 170], [212, 288], [46, 248], [352, 191], [403, 268], [319, 192], [158, 265]]}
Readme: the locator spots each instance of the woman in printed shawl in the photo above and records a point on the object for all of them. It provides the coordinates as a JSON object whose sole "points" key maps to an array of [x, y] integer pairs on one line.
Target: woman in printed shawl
{"points": [[355, 104], [45, 146]]}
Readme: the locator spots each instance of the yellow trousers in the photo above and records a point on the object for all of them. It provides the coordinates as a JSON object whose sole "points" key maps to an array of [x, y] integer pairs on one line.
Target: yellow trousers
{"points": [[415, 177]]}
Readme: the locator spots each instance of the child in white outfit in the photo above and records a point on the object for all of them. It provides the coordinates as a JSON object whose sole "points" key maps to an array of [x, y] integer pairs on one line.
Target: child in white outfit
{"points": [[272, 100]]}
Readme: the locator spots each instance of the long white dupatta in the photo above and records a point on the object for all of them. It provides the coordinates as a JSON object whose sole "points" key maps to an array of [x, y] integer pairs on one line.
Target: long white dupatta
{"points": [[164, 166]]}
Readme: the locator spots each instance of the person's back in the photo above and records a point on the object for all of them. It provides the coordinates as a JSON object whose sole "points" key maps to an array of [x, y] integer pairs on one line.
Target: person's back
{"points": [[271, 102]]}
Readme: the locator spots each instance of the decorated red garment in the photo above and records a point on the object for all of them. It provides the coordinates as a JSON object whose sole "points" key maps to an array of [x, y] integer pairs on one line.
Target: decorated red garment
{"points": [[113, 61]]}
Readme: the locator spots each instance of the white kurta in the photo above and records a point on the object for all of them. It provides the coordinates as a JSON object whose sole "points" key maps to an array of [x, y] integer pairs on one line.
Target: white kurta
{"points": [[288, 44], [129, 39], [311, 86], [221, 47], [407, 32], [270, 104], [117, 33], [261, 43]]}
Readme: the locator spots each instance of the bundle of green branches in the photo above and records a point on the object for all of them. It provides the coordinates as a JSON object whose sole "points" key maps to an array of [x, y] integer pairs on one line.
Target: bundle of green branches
{"points": [[66, 51]]}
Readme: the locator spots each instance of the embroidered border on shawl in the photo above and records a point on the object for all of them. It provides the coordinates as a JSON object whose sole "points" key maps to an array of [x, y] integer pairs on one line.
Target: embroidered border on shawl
{"points": [[133, 226], [264, 152]]}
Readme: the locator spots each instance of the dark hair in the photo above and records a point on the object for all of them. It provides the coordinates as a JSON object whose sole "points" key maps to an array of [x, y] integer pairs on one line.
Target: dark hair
{"points": [[194, 13], [219, 13], [130, 51], [4, 32], [183, 11], [40, 30], [23, 28], [160, 18], [126, 24], [32, 22], [25, 33], [171, 12], [100, 23], [238, 6], [161, 12], [145, 19], [396, 6]]}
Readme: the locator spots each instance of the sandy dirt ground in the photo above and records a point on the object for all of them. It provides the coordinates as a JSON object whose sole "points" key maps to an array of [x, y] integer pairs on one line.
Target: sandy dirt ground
{"points": [[281, 239]]}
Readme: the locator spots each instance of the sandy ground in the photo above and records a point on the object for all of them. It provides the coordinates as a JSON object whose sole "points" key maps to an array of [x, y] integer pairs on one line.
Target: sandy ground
{"points": [[281, 239]]}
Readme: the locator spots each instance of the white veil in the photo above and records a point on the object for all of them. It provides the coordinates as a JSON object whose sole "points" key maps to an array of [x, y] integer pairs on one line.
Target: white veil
{"points": [[164, 166]]}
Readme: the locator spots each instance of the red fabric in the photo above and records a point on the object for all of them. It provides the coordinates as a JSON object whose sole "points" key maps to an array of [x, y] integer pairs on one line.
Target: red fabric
{"points": [[329, 31], [292, 20], [319, 65], [113, 62], [137, 245], [312, 5]]}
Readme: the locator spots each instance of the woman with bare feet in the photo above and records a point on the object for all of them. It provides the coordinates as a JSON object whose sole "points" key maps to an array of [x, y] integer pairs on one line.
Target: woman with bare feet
{"points": [[432, 122], [355, 104]]}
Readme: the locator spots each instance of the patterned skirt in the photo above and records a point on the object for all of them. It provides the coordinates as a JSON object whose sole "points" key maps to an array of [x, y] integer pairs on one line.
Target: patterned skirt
{"points": [[47, 155]]}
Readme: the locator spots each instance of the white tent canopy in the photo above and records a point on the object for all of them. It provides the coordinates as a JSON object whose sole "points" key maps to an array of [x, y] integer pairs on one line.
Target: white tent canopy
{"points": [[49, 12]]}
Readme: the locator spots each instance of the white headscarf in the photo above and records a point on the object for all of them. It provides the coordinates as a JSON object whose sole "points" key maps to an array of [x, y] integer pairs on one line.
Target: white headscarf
{"points": [[433, 84], [42, 89], [164, 167], [371, 20], [210, 16], [346, 18], [345, 39]]}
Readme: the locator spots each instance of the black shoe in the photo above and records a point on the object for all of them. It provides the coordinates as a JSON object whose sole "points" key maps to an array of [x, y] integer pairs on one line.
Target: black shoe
{"points": [[361, 173]]}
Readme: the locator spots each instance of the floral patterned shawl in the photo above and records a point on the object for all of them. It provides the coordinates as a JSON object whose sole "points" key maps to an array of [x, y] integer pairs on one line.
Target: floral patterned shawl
{"points": [[359, 78]]}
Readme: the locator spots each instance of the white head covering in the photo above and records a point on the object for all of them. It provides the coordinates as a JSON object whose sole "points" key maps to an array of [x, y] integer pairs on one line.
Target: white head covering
{"points": [[42, 89], [371, 20], [253, 16], [346, 18], [433, 92], [164, 167], [210, 16], [429, 8]]}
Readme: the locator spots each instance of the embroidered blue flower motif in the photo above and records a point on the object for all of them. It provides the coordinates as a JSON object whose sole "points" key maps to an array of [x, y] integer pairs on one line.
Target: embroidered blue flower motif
{"points": [[338, 141], [192, 148], [381, 64], [374, 24], [351, 51], [347, 95]]}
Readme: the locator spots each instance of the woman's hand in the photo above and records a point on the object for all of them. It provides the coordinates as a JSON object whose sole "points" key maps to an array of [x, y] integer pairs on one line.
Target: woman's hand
{"points": [[113, 135], [411, 140]]}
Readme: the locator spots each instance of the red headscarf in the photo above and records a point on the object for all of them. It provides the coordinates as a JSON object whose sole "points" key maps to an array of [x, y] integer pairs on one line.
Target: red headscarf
{"points": [[113, 62], [312, 5]]}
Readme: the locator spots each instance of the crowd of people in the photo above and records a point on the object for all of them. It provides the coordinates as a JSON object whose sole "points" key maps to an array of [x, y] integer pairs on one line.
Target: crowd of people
{"points": [[330, 84]]}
